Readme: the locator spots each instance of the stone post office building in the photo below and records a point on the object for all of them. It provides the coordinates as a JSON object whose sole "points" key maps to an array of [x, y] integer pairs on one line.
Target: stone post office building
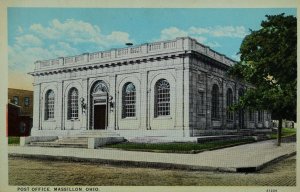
{"points": [[176, 88]]}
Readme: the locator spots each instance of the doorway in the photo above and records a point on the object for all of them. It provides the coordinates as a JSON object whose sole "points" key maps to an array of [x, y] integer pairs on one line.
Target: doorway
{"points": [[99, 116]]}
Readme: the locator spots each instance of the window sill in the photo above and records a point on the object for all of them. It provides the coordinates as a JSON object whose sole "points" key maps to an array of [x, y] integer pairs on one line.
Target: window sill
{"points": [[129, 118], [163, 117], [73, 120], [49, 120]]}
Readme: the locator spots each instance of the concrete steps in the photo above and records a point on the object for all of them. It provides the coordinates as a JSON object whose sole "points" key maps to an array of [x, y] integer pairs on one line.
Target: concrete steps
{"points": [[73, 142], [98, 133], [86, 139]]}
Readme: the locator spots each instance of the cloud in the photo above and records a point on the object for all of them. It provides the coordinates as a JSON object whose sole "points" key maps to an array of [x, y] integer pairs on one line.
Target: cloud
{"points": [[199, 30], [196, 33], [229, 31], [77, 32], [220, 31], [28, 40], [23, 58], [172, 33], [202, 34], [56, 39]]}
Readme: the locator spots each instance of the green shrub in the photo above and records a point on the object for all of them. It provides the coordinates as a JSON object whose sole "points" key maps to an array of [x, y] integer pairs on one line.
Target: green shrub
{"points": [[13, 140]]}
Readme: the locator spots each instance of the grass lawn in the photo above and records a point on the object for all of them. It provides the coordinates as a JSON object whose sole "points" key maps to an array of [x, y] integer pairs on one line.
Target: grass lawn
{"points": [[13, 140], [285, 133], [180, 147]]}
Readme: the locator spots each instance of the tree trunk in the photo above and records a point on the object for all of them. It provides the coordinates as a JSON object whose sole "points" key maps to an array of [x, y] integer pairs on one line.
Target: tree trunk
{"points": [[279, 130]]}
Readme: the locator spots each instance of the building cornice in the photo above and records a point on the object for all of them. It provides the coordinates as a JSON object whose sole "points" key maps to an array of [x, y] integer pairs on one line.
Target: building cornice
{"points": [[129, 55]]}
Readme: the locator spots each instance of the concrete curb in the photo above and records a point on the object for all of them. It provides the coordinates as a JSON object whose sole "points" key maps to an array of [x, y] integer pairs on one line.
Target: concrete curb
{"points": [[153, 164]]}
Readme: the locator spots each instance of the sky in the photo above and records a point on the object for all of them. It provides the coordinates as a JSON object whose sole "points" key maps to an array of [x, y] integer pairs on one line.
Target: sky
{"points": [[46, 33]]}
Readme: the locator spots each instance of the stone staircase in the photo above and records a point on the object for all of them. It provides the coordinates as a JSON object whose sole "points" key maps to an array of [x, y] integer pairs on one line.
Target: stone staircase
{"points": [[77, 141], [72, 142], [98, 133]]}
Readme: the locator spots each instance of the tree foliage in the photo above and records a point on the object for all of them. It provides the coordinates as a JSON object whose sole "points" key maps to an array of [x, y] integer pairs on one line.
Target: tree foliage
{"points": [[269, 63]]}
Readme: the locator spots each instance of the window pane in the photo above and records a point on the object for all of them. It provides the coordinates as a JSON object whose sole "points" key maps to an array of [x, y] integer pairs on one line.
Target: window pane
{"points": [[26, 101], [128, 100], [49, 113], [162, 98], [16, 100], [73, 104], [215, 103]]}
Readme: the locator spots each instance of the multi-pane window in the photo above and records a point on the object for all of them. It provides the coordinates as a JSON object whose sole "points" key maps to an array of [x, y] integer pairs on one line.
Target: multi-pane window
{"points": [[73, 104], [162, 98], [215, 102], [26, 101], [49, 105], [200, 103], [229, 102], [16, 100], [251, 115], [129, 100], [260, 116]]}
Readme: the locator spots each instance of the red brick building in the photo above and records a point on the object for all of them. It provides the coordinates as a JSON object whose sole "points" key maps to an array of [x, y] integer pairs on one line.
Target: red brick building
{"points": [[20, 112]]}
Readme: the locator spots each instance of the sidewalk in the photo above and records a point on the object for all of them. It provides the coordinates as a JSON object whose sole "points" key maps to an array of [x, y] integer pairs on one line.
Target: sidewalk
{"points": [[249, 157]]}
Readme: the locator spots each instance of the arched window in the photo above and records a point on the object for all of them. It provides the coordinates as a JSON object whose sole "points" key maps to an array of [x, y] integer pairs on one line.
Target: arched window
{"points": [[73, 104], [162, 98], [49, 105], [128, 100], [251, 115], [260, 115], [229, 102], [215, 102]]}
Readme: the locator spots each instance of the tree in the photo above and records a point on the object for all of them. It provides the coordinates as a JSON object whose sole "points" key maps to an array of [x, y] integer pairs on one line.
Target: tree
{"points": [[269, 63]]}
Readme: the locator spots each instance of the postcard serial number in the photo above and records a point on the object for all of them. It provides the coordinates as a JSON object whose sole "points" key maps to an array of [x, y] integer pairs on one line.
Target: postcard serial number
{"points": [[271, 190]]}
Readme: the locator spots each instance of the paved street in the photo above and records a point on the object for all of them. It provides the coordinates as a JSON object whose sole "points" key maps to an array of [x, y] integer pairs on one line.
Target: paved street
{"points": [[24, 171]]}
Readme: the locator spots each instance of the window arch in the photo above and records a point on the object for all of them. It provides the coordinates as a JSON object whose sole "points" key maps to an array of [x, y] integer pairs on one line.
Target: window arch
{"points": [[215, 102], [49, 105], [229, 102], [162, 98], [128, 100], [73, 104], [99, 86]]}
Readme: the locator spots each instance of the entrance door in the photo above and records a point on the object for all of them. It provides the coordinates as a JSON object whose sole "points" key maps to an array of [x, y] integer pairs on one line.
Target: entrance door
{"points": [[99, 116]]}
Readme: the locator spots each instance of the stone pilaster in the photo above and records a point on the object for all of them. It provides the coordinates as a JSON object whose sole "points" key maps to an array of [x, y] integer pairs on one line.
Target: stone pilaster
{"points": [[223, 104], [112, 105], [179, 98], [186, 97], [144, 100], [59, 109], [84, 112], [37, 107]]}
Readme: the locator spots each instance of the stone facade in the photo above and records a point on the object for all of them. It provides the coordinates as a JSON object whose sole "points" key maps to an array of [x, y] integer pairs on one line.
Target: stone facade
{"points": [[155, 89]]}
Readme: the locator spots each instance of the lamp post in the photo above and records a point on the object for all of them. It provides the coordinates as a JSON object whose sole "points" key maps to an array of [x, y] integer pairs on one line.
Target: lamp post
{"points": [[111, 103], [83, 105]]}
